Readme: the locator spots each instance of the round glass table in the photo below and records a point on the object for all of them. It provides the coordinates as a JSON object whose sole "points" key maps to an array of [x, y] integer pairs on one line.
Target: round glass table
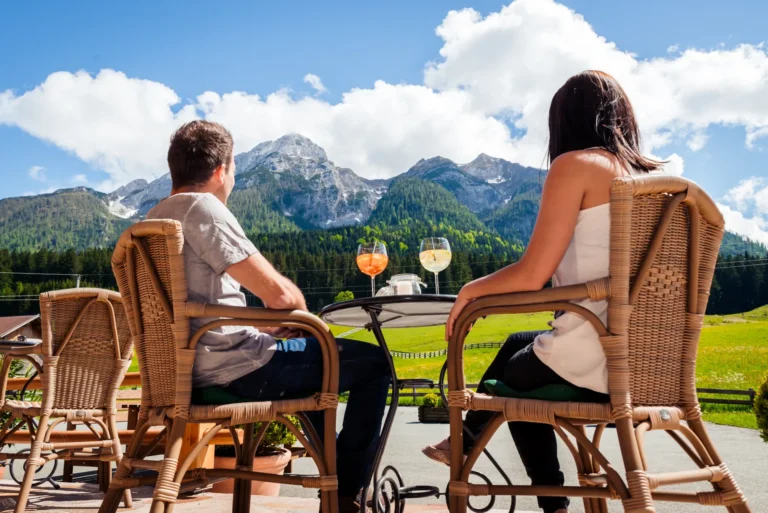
{"points": [[374, 314], [412, 311]]}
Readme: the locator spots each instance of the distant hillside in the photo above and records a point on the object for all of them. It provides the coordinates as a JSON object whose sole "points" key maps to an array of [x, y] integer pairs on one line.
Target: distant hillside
{"points": [[71, 218], [412, 200], [516, 219], [734, 244]]}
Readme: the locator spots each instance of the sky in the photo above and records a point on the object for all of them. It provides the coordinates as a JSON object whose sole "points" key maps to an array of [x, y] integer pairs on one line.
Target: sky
{"points": [[91, 91]]}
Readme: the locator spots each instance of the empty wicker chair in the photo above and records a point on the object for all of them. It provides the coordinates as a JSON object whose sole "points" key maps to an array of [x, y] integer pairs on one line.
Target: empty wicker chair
{"points": [[149, 266], [665, 236], [86, 351]]}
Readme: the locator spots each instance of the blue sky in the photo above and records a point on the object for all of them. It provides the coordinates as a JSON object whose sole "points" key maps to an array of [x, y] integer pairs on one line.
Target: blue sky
{"points": [[267, 48]]}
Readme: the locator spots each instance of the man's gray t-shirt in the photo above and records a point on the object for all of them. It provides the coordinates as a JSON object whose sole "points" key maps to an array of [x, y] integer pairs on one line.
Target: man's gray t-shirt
{"points": [[213, 241]]}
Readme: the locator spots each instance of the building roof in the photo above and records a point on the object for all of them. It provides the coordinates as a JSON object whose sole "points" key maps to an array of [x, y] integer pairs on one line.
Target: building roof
{"points": [[9, 324]]}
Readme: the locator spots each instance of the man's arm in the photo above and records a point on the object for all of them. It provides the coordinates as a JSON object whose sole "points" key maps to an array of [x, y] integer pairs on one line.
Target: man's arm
{"points": [[256, 274]]}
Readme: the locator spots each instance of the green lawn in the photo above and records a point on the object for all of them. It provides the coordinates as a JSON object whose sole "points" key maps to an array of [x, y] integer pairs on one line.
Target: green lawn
{"points": [[733, 354]]}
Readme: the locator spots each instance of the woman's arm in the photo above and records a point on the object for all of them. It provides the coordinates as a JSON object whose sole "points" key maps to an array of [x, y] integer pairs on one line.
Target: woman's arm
{"points": [[561, 201]]}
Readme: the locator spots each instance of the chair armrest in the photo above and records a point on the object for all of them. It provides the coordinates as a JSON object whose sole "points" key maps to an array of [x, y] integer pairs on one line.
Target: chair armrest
{"points": [[545, 300], [265, 317], [550, 299]]}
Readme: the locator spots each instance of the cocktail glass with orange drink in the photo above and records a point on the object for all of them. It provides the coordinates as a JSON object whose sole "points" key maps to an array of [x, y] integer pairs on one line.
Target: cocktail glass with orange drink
{"points": [[372, 259]]}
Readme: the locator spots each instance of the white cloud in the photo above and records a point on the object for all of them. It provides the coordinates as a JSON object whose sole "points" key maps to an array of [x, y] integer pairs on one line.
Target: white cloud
{"points": [[673, 48], [314, 81], [745, 208], [514, 60], [37, 173], [79, 179], [675, 165], [697, 141], [118, 124], [493, 70], [755, 227]]}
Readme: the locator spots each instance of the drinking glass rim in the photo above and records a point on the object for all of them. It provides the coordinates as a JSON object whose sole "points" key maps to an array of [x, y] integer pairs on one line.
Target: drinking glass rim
{"points": [[371, 247], [432, 240]]}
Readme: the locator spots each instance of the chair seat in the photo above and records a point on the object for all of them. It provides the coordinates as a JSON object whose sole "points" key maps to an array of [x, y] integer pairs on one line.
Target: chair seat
{"points": [[547, 393], [29, 408], [215, 395], [241, 411]]}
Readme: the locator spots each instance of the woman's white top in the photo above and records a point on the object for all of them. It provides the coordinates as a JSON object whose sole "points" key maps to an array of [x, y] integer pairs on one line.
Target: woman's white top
{"points": [[572, 349]]}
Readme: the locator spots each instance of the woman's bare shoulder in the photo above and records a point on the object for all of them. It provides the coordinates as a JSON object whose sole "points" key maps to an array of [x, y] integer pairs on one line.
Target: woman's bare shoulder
{"points": [[590, 160]]}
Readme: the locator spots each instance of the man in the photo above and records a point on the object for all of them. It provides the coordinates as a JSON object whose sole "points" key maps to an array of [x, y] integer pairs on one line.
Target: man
{"points": [[265, 365]]}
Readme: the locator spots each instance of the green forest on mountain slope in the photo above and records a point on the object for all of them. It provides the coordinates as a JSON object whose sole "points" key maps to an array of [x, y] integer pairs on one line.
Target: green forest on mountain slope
{"points": [[322, 262], [34, 222]]}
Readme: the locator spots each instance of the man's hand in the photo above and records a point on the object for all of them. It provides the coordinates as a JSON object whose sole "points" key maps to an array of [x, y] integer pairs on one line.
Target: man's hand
{"points": [[285, 333]]}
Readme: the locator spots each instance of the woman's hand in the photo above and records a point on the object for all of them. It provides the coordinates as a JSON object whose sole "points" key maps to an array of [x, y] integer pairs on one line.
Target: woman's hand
{"points": [[462, 300]]}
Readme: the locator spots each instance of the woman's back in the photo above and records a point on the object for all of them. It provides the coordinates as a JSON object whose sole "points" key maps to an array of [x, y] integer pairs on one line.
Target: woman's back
{"points": [[572, 349]]}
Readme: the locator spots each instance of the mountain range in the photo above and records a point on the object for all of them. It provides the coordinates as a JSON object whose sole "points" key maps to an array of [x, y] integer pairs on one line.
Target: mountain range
{"points": [[290, 185]]}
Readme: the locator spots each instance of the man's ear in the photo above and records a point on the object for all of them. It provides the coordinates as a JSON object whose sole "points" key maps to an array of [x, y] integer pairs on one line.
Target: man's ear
{"points": [[218, 174]]}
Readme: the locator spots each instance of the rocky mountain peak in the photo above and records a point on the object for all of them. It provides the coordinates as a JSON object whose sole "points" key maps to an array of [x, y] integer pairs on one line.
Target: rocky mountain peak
{"points": [[287, 148], [487, 168], [425, 165], [130, 188]]}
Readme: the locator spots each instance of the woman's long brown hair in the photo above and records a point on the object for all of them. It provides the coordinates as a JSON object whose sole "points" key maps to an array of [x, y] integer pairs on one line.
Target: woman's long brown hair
{"points": [[592, 110]]}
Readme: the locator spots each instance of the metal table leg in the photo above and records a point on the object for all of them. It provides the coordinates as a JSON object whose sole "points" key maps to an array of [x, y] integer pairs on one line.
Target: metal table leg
{"points": [[394, 481], [389, 490]]}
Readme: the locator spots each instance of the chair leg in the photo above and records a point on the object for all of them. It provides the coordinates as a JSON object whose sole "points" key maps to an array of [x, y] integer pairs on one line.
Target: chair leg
{"points": [[329, 501], [111, 500], [241, 496], [33, 463], [166, 489], [640, 499], [733, 497]]}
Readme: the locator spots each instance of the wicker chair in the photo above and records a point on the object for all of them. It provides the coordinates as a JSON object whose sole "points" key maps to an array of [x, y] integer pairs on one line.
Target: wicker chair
{"points": [[149, 266], [665, 236], [86, 351]]}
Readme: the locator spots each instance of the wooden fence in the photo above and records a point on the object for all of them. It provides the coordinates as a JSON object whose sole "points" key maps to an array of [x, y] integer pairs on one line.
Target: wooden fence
{"points": [[443, 352], [417, 389]]}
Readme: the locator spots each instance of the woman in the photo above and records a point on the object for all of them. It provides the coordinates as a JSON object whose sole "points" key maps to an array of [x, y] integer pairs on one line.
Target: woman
{"points": [[593, 138]]}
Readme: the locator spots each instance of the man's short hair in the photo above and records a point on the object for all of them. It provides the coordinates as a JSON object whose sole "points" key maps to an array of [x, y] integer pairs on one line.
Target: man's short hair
{"points": [[197, 149]]}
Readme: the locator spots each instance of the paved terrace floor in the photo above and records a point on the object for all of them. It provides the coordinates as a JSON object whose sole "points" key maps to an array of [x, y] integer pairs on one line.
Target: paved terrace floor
{"points": [[742, 449]]}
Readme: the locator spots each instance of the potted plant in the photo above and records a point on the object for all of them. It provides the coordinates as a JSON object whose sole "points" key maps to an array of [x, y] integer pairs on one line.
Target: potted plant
{"points": [[432, 410], [272, 457]]}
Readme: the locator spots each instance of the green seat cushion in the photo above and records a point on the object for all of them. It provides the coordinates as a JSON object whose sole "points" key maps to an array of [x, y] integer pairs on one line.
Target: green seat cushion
{"points": [[215, 395], [547, 393]]}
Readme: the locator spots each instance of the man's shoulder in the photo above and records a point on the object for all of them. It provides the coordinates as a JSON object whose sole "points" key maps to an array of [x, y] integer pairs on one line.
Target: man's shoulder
{"points": [[179, 206]]}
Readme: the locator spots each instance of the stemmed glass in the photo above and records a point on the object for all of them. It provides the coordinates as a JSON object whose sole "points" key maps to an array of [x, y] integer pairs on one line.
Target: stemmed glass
{"points": [[372, 259], [435, 255]]}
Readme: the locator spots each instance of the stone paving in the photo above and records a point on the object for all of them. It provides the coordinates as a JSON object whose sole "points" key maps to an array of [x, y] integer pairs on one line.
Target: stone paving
{"points": [[742, 449]]}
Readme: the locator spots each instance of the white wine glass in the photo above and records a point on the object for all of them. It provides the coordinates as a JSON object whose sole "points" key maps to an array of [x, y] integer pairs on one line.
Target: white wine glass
{"points": [[372, 259], [435, 255]]}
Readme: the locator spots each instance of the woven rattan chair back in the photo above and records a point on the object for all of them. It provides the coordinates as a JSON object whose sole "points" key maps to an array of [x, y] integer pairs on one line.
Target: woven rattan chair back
{"points": [[149, 267], [85, 335], [665, 235]]}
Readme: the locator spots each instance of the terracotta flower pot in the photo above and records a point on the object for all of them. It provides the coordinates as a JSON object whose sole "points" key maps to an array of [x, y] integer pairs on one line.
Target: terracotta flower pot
{"points": [[272, 464]]}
